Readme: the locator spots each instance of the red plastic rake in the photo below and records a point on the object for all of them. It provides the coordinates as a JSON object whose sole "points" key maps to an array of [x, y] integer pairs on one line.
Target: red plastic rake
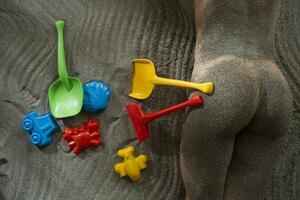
{"points": [[141, 120]]}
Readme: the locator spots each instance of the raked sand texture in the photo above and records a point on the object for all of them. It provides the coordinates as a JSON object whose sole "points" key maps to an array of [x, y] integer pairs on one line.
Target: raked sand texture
{"points": [[101, 37], [286, 183]]}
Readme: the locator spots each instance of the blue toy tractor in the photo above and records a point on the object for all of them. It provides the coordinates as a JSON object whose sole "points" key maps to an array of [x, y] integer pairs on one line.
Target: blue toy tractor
{"points": [[40, 127]]}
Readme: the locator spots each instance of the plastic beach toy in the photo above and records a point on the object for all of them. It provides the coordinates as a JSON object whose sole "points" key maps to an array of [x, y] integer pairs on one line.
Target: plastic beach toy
{"points": [[144, 80], [131, 166], [40, 127], [83, 136], [141, 120], [95, 96], [66, 93]]}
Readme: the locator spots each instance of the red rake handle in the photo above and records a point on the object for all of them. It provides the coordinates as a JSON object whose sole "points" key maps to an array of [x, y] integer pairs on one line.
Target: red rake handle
{"points": [[194, 101]]}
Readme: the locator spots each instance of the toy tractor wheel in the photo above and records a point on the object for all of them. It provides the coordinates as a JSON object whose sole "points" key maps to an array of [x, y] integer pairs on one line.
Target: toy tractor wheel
{"points": [[35, 138], [27, 124]]}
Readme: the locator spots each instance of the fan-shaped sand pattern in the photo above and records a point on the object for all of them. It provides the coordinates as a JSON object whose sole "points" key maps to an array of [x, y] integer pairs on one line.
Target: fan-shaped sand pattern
{"points": [[286, 183], [94, 45]]}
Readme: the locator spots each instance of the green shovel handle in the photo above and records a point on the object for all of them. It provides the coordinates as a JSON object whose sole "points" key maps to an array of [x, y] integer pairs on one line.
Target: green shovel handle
{"points": [[62, 69]]}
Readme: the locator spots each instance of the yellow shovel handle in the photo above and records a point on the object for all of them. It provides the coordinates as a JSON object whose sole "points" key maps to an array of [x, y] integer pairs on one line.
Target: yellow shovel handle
{"points": [[206, 87]]}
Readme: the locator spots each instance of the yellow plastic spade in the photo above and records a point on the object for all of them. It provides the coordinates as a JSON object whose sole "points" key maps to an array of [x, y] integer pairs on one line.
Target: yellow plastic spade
{"points": [[144, 80]]}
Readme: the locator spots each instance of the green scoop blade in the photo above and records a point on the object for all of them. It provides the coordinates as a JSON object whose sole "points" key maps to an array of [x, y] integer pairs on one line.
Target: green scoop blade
{"points": [[66, 93]]}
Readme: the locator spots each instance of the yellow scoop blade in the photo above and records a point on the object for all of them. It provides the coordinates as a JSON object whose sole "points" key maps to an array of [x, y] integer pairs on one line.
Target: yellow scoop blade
{"points": [[144, 80]]}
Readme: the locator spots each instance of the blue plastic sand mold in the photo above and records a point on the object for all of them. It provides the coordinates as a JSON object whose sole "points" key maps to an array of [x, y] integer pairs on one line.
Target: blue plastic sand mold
{"points": [[40, 127], [95, 96]]}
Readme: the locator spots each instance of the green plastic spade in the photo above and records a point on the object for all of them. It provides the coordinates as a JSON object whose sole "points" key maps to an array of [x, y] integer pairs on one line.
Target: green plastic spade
{"points": [[66, 93]]}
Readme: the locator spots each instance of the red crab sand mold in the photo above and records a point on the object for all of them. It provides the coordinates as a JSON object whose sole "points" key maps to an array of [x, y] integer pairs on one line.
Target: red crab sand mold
{"points": [[141, 120], [83, 136]]}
